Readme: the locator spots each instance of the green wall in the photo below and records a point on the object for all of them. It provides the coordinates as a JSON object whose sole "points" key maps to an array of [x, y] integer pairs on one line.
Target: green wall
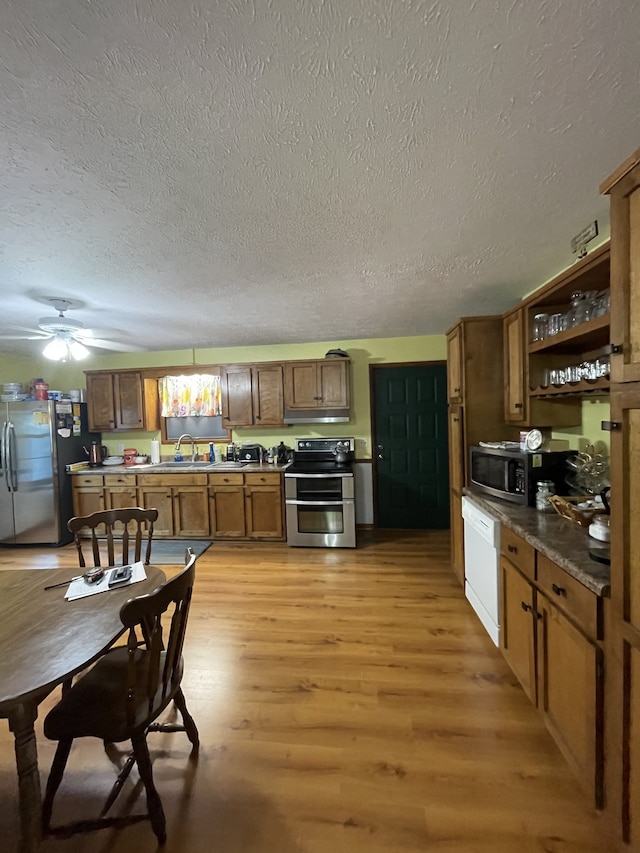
{"points": [[65, 377]]}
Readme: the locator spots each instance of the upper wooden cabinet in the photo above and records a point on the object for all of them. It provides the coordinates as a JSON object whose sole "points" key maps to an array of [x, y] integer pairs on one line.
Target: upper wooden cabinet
{"points": [[540, 386], [454, 365], [322, 384], [624, 188], [252, 395], [122, 400]]}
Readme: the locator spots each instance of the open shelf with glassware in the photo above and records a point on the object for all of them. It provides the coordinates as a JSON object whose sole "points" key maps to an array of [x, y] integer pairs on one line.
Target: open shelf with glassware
{"points": [[569, 336]]}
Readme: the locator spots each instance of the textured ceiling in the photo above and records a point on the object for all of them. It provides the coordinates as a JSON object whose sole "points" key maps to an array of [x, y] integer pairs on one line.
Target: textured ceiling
{"points": [[230, 173]]}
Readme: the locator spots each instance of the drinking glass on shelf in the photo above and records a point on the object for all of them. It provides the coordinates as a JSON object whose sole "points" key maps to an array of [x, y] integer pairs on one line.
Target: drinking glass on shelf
{"points": [[577, 312], [539, 328], [573, 374], [557, 376], [555, 323]]}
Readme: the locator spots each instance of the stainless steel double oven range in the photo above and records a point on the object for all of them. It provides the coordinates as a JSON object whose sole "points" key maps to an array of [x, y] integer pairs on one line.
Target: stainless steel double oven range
{"points": [[320, 494]]}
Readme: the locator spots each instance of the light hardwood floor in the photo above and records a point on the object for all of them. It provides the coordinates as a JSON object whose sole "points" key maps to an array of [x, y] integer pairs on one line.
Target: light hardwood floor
{"points": [[347, 701]]}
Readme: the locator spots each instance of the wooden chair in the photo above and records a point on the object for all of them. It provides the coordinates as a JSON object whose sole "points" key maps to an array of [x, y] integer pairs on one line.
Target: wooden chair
{"points": [[122, 696], [112, 525]]}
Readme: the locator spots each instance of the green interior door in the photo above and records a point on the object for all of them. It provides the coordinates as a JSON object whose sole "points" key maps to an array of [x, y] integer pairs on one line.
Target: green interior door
{"points": [[411, 446]]}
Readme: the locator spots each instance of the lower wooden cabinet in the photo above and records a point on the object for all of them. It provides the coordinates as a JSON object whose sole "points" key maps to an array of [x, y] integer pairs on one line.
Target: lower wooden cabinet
{"points": [[517, 626], [457, 536], [551, 628], [232, 505], [88, 494]]}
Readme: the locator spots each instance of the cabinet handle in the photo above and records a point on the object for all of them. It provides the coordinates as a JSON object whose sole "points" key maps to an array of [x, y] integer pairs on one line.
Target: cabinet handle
{"points": [[559, 590], [536, 614], [518, 405], [512, 549], [317, 398], [610, 426], [456, 390], [526, 607]]}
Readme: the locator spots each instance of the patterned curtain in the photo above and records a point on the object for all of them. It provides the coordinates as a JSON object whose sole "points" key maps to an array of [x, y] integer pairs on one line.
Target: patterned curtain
{"points": [[186, 396]]}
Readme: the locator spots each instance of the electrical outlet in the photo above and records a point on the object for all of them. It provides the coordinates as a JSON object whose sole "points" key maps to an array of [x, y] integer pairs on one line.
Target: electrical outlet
{"points": [[121, 448], [361, 443]]}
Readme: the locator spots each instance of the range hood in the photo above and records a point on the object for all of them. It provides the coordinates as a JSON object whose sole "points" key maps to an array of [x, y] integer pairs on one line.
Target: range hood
{"points": [[316, 416]]}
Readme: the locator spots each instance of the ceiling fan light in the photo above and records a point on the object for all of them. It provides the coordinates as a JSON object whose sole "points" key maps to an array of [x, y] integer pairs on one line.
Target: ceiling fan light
{"points": [[57, 349], [78, 350]]}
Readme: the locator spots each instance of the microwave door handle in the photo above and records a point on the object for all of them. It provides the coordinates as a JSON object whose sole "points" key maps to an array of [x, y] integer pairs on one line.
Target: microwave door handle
{"points": [[3, 456]]}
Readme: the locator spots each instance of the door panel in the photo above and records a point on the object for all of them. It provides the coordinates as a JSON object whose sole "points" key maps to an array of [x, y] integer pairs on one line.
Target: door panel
{"points": [[412, 457]]}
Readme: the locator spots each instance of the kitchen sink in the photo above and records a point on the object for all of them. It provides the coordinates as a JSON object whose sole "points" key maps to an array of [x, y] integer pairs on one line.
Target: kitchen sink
{"points": [[194, 466]]}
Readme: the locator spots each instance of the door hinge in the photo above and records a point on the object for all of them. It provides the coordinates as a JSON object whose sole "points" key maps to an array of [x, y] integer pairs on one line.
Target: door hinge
{"points": [[610, 426]]}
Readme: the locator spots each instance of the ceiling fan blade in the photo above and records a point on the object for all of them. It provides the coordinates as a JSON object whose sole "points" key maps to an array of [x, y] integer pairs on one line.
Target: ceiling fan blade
{"points": [[25, 337], [100, 343]]}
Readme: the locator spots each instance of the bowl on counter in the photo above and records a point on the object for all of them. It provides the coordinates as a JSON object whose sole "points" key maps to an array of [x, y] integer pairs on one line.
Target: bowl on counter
{"points": [[141, 460], [113, 460]]}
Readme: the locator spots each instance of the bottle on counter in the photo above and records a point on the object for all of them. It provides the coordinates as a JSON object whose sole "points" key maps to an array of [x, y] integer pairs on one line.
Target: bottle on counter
{"points": [[545, 490]]}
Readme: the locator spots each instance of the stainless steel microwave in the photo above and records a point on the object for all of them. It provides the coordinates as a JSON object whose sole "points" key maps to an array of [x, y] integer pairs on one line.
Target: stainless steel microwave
{"points": [[513, 474]]}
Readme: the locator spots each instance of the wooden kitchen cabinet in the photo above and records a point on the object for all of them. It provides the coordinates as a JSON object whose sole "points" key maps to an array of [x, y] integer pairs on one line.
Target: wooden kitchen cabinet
{"points": [[263, 506], [88, 493], [181, 501], [120, 491], [122, 400], [455, 375], [551, 626], [226, 511], [321, 384], [624, 188], [252, 395], [530, 398], [570, 693], [474, 390], [245, 506], [517, 626]]}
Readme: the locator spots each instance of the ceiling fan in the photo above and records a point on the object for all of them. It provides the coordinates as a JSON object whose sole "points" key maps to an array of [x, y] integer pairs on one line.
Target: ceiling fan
{"points": [[67, 339]]}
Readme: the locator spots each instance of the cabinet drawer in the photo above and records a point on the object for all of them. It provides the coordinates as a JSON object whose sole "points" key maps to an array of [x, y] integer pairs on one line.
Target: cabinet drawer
{"points": [[119, 479], [518, 552], [86, 480], [571, 596], [267, 479], [169, 480], [226, 479]]}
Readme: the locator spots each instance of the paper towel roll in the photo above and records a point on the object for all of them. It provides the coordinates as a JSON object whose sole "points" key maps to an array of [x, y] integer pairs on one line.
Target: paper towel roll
{"points": [[155, 452]]}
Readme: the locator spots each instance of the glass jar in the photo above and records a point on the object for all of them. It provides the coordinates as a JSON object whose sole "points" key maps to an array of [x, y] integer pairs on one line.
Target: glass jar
{"points": [[540, 327], [578, 311], [545, 490]]}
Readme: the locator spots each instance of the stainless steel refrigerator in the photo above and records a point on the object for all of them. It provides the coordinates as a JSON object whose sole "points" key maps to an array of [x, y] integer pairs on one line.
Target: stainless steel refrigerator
{"points": [[38, 440]]}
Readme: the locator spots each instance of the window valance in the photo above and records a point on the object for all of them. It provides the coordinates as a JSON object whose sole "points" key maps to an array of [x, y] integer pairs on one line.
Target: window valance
{"points": [[198, 395]]}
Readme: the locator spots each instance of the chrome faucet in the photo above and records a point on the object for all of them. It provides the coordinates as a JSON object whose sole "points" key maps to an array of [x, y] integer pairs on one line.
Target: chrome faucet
{"points": [[193, 445]]}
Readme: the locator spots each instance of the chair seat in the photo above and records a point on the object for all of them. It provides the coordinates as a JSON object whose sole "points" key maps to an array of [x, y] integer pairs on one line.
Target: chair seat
{"points": [[96, 704]]}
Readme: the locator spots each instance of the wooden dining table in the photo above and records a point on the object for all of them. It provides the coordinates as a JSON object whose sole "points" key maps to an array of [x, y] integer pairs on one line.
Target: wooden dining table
{"points": [[45, 640]]}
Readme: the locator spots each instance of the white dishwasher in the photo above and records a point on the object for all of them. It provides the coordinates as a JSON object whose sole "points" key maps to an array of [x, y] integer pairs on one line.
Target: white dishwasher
{"points": [[481, 550]]}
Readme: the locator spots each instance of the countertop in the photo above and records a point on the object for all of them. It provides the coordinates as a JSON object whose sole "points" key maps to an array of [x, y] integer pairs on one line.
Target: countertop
{"points": [[186, 468], [562, 541]]}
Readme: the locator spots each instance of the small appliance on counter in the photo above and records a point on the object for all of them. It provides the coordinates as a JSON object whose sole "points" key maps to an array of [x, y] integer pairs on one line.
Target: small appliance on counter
{"points": [[250, 453], [513, 475]]}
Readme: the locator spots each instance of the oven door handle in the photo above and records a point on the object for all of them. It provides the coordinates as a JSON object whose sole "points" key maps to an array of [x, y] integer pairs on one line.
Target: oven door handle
{"points": [[324, 476], [320, 503]]}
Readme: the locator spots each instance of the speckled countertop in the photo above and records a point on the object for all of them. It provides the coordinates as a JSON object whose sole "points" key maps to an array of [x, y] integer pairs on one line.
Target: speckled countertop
{"points": [[562, 541], [186, 468]]}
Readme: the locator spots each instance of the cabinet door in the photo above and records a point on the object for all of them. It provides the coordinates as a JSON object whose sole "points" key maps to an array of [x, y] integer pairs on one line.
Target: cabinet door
{"points": [[121, 496], [87, 499], [625, 274], [190, 511], [128, 400], [237, 399], [226, 512], [517, 636], [333, 383], [457, 537], [158, 497], [301, 387], [570, 685], [454, 365], [514, 401], [263, 511], [268, 395], [457, 461], [100, 405]]}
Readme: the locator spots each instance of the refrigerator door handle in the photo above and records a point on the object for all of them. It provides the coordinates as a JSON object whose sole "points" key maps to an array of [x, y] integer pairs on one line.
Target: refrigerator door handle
{"points": [[10, 449]]}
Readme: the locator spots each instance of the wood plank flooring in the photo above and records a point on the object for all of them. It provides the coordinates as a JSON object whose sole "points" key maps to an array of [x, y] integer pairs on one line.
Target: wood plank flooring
{"points": [[347, 701]]}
